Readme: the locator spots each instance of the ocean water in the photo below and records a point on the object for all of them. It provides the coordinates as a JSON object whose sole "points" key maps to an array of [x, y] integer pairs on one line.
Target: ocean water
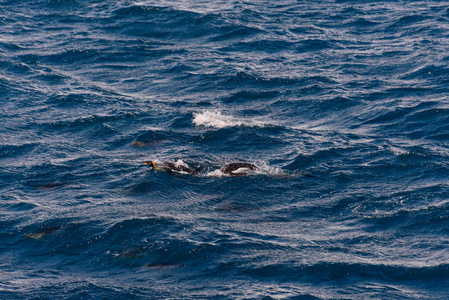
{"points": [[343, 106]]}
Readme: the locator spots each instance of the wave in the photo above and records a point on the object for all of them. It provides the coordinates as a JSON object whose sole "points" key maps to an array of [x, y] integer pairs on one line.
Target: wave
{"points": [[216, 119], [342, 107]]}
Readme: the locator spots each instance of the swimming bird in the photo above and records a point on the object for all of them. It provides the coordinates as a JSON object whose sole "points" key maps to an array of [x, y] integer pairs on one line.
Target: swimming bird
{"points": [[39, 235], [171, 168], [238, 169], [147, 143]]}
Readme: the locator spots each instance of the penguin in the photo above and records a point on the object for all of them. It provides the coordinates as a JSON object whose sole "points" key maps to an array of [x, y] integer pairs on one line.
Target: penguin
{"points": [[238, 169], [39, 235], [144, 144], [171, 168]]}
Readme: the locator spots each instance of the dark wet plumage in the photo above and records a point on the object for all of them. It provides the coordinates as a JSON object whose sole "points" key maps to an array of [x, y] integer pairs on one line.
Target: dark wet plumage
{"points": [[145, 144], [40, 234], [237, 169], [170, 167]]}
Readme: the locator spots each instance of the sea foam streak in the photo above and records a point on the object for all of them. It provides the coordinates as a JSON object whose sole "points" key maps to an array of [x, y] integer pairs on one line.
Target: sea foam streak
{"points": [[218, 120], [262, 169]]}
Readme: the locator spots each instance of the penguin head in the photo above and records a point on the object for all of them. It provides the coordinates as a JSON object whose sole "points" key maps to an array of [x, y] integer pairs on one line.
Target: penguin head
{"points": [[150, 163]]}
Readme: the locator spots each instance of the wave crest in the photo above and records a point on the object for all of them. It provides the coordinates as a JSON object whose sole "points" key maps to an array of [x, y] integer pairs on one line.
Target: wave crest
{"points": [[218, 120]]}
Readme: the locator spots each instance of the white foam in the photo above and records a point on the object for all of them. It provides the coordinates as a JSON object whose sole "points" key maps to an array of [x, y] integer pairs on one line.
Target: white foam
{"points": [[398, 151], [216, 119], [180, 162], [263, 169], [243, 171], [216, 173]]}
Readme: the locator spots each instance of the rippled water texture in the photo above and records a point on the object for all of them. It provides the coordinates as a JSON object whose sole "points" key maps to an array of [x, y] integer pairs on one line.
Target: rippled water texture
{"points": [[343, 106]]}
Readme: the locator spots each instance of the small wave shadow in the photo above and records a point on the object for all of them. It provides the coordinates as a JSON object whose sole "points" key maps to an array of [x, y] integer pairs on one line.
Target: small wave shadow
{"points": [[233, 207]]}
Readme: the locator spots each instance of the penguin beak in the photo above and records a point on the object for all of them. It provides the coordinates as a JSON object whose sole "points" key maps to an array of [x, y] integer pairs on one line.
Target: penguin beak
{"points": [[150, 163]]}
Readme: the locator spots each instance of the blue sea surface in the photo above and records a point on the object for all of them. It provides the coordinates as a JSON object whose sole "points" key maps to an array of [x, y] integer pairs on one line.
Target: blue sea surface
{"points": [[342, 105]]}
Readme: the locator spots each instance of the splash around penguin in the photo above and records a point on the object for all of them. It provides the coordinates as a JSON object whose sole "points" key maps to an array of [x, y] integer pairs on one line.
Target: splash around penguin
{"points": [[231, 169], [171, 168], [238, 169]]}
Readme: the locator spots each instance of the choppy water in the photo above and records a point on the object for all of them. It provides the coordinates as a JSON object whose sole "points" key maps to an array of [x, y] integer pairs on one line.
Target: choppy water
{"points": [[343, 106]]}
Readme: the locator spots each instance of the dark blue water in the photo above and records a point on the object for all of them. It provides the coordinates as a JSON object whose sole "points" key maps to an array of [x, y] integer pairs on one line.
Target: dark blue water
{"points": [[342, 105]]}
